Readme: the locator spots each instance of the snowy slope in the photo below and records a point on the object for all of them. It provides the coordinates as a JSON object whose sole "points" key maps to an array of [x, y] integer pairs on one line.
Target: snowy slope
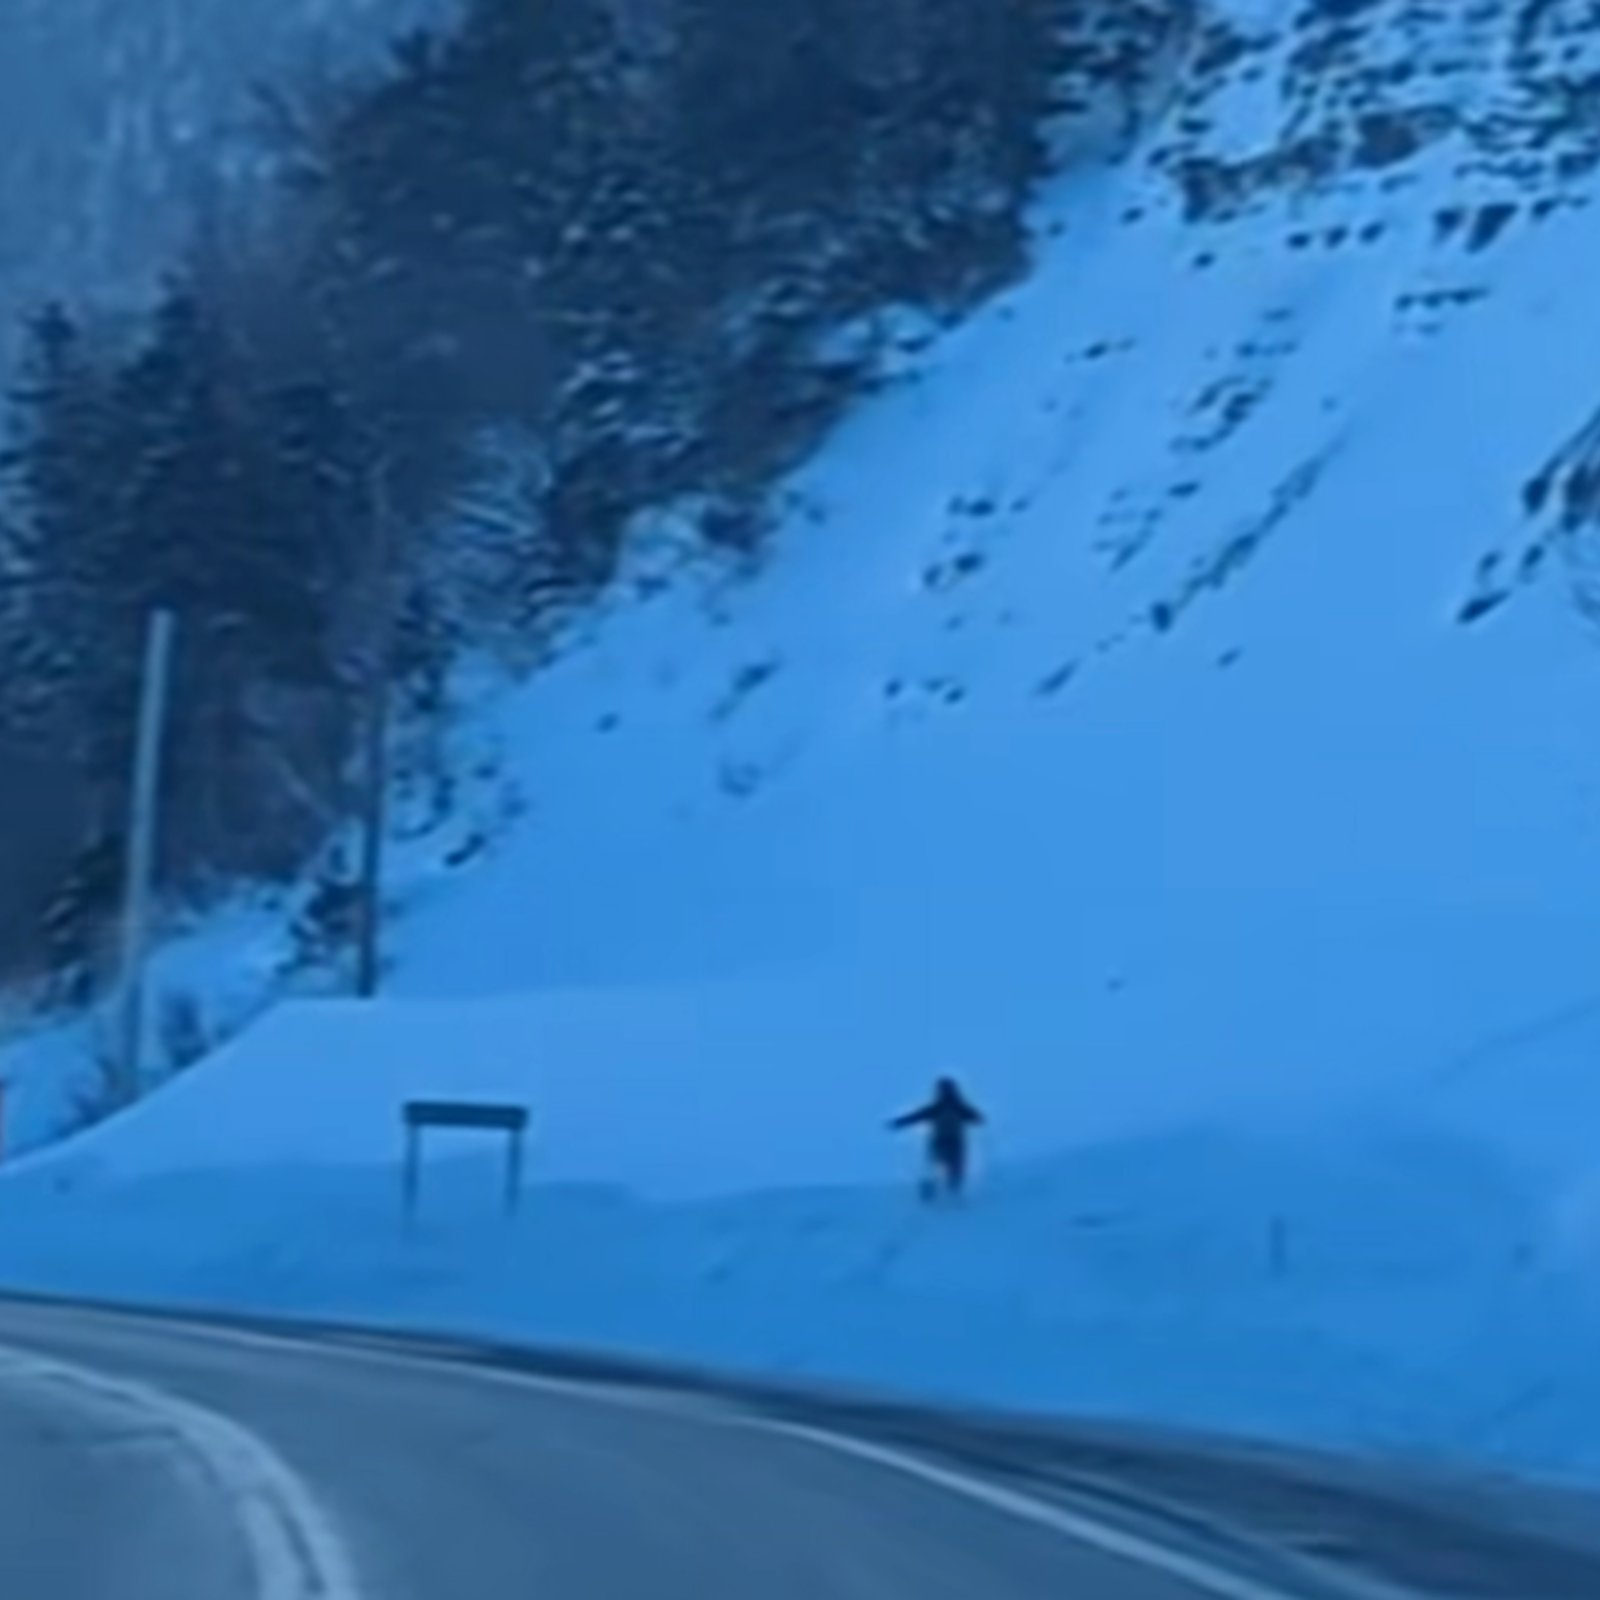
{"points": [[1103, 722], [1165, 705], [1105, 725]]}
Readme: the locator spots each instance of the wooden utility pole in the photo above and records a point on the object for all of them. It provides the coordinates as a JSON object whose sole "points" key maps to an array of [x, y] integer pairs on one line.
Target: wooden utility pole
{"points": [[375, 748], [153, 697]]}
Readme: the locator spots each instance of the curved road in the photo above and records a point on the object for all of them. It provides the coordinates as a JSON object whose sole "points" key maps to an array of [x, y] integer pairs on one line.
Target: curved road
{"points": [[144, 1458]]}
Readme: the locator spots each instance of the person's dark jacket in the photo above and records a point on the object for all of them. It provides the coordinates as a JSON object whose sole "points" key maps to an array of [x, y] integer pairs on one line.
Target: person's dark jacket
{"points": [[947, 1117]]}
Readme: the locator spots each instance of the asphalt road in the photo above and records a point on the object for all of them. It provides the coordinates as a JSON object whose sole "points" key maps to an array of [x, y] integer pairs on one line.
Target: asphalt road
{"points": [[152, 1459]]}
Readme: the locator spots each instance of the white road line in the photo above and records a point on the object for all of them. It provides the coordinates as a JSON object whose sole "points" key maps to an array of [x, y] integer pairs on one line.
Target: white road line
{"points": [[456, 1360], [1202, 1576], [1199, 1575], [295, 1550]]}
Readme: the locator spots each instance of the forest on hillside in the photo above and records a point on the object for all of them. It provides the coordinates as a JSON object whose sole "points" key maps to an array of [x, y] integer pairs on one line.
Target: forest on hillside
{"points": [[551, 266]]}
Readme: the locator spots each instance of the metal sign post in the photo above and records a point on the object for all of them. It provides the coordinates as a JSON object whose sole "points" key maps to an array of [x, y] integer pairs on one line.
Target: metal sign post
{"points": [[375, 744], [420, 1115]]}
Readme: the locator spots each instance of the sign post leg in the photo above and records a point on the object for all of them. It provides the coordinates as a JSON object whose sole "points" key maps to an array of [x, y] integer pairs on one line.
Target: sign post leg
{"points": [[514, 1173], [409, 1180]]}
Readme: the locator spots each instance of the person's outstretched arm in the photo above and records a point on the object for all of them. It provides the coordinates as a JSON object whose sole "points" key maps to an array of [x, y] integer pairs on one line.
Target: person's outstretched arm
{"points": [[912, 1118]]}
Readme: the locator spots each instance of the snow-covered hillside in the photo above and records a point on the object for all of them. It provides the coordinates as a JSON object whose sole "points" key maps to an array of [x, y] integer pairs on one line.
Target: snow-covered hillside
{"points": [[1169, 704], [1162, 697]]}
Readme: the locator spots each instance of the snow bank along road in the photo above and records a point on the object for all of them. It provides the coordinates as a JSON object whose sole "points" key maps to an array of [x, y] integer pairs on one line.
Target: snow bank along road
{"points": [[145, 1457]]}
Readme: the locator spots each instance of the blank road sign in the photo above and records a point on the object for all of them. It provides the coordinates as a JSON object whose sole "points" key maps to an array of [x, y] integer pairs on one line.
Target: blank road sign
{"points": [[420, 1115]]}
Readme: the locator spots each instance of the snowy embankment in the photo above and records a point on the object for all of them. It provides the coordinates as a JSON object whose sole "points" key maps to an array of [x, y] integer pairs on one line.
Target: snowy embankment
{"points": [[1357, 1282], [1166, 708]]}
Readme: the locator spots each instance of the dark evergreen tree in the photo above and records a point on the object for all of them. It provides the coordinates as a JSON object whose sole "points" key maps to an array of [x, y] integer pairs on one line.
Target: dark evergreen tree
{"points": [[65, 681]]}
